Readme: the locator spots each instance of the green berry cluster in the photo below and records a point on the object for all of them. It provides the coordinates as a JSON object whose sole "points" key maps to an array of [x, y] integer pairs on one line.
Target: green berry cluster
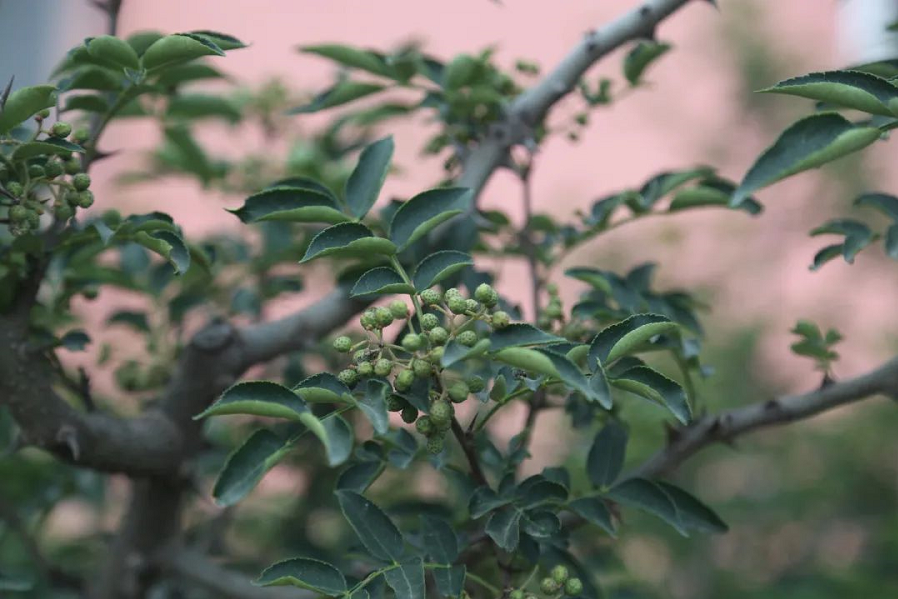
{"points": [[59, 172], [558, 582], [444, 317], [554, 311]]}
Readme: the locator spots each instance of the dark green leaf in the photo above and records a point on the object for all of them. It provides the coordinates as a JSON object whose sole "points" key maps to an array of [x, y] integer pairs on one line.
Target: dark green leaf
{"points": [[700, 196], [891, 242], [198, 106], [87, 103], [168, 245], [654, 386], [826, 254], [351, 57], [437, 266], [598, 382], [407, 579], [851, 89], [590, 276], [485, 500], [359, 476], [440, 540], [222, 40], [305, 573], [342, 92], [176, 49], [857, 235], [808, 143], [693, 513], [594, 511], [46, 146], [187, 73], [348, 240], [259, 398], [247, 465], [628, 336], [322, 388], [380, 281], [450, 582], [113, 51], [292, 204], [454, 352], [885, 203], [503, 528], [366, 180], [538, 490], [541, 524], [606, 456], [375, 530], [416, 217], [142, 40], [95, 78], [373, 404], [136, 320], [640, 57], [531, 360], [24, 103], [648, 496], [76, 340], [521, 334], [336, 435]]}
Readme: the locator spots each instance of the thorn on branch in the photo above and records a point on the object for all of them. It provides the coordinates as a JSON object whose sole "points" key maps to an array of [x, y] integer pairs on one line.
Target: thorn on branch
{"points": [[6, 92], [645, 11], [68, 436]]}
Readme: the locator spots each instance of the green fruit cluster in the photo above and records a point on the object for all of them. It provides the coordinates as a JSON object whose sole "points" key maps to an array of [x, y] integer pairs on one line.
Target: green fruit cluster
{"points": [[558, 582]]}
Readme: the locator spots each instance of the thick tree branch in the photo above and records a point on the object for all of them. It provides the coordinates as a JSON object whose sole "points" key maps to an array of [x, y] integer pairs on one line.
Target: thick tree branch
{"points": [[728, 425]]}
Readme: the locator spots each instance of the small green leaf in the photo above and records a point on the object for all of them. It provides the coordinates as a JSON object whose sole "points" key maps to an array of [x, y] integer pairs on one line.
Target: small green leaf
{"points": [[808, 143], [628, 336], [258, 398], [292, 204], [322, 388], [454, 352], [885, 203], [305, 573], [142, 40], [136, 320], [222, 40], [590, 276], [359, 476], [416, 217], [504, 528], [538, 490], [76, 340], [247, 465], [450, 582], [46, 146], [382, 280], [570, 374], [113, 51], [826, 254], [199, 106], [92, 77], [348, 240], [440, 540], [648, 496], [857, 235], [606, 456], [693, 513], [851, 89], [528, 359], [176, 49], [86, 103], [372, 526], [168, 245], [600, 388], [335, 434], [654, 386], [640, 57], [891, 242], [366, 180], [521, 334], [698, 197], [365, 60], [342, 92], [594, 511], [374, 405], [24, 103], [439, 265], [407, 579]]}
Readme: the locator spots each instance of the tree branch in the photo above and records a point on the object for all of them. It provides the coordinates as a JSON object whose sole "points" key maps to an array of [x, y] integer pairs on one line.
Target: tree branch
{"points": [[728, 425]]}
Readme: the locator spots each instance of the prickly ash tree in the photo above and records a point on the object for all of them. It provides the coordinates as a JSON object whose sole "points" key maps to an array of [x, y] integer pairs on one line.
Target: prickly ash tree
{"points": [[421, 332]]}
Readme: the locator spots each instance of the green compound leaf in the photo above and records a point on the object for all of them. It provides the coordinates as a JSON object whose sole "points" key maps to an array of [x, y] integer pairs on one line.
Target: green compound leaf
{"points": [[367, 179], [348, 240], [808, 143], [372, 526], [305, 573], [24, 103], [437, 266], [851, 89], [605, 459], [407, 579], [176, 49], [450, 582], [382, 280], [247, 465], [627, 336], [694, 514], [640, 57], [857, 235], [440, 540], [504, 528], [419, 215], [341, 93], [654, 386], [291, 204]]}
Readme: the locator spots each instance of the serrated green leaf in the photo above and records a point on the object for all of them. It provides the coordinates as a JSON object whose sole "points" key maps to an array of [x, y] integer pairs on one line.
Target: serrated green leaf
{"points": [[372, 526], [598, 382], [605, 459], [648, 496], [305, 573], [247, 465], [628, 336], [594, 511], [24, 103], [419, 215], [341, 93], [168, 245], [808, 143], [528, 359], [521, 334], [291, 204], [365, 60], [113, 51], [322, 388], [454, 352], [439, 265], [851, 89], [366, 180], [654, 386], [540, 524], [504, 528], [374, 405], [222, 40], [258, 398], [348, 240], [305, 183], [407, 579], [48, 146], [382, 280], [640, 57], [693, 513], [176, 49]]}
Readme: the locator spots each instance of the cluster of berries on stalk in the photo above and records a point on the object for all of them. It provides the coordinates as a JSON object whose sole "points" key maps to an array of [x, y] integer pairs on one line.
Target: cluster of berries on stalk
{"points": [[557, 583], [59, 171], [443, 317]]}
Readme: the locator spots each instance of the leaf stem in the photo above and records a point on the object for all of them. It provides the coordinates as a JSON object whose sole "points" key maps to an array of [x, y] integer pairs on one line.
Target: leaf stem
{"points": [[483, 583], [394, 262]]}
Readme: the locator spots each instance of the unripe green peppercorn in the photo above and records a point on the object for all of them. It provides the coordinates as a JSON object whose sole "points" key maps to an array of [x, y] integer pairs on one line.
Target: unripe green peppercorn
{"points": [[549, 586], [457, 304], [43, 114], [348, 377], [429, 322], [404, 380], [409, 414], [18, 214], [85, 198], [439, 336], [553, 310], [72, 166], [483, 292], [476, 384], [421, 368], [467, 338], [383, 316], [53, 169], [516, 594], [435, 355], [431, 297], [574, 586], [360, 356], [343, 344], [36, 171], [435, 445], [471, 305], [458, 391], [63, 211], [365, 369], [441, 412], [368, 320], [451, 292], [395, 403], [71, 198], [383, 367], [15, 188], [398, 309], [81, 135], [423, 425], [60, 129], [81, 181], [501, 320], [412, 342], [559, 574]]}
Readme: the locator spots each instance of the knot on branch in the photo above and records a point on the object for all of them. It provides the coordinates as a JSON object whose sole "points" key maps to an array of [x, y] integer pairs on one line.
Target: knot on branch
{"points": [[214, 337]]}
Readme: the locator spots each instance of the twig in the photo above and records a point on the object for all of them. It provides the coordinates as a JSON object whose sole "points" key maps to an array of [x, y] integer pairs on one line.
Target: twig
{"points": [[470, 453]]}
